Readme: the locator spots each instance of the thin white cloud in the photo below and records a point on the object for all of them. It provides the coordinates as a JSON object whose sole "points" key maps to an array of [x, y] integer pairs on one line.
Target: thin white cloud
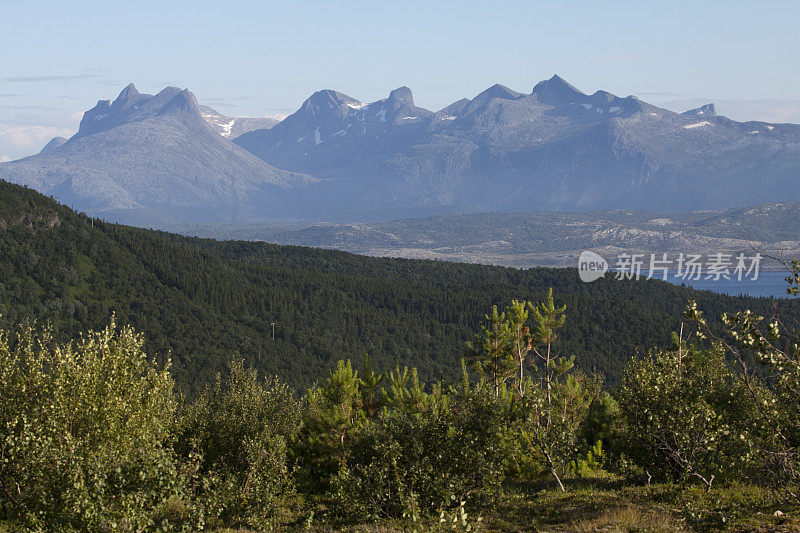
{"points": [[30, 107], [4, 158], [624, 57], [277, 116], [19, 141], [767, 110], [213, 103], [38, 79]]}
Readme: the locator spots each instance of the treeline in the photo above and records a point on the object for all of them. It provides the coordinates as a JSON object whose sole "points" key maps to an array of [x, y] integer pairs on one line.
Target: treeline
{"points": [[204, 302], [94, 436]]}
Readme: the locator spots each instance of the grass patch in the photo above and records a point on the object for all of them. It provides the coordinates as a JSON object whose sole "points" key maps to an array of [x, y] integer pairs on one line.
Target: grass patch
{"points": [[610, 505]]}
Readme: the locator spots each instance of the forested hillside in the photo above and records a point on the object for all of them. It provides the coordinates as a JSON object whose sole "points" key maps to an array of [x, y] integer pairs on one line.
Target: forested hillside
{"points": [[205, 301]]}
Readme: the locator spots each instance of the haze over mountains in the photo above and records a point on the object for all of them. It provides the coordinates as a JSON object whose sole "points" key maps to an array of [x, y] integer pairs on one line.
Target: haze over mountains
{"points": [[233, 127], [147, 159], [542, 238], [163, 160]]}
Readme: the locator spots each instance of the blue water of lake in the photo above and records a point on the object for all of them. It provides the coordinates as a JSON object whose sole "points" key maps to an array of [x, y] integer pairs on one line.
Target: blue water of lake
{"points": [[769, 283]]}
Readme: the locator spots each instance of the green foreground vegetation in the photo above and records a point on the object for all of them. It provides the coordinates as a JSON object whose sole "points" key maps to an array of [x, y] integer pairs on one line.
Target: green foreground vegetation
{"points": [[95, 438], [546, 413]]}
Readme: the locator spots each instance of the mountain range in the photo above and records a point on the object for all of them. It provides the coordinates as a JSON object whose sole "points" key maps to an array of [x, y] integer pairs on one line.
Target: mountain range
{"points": [[164, 159], [149, 159]]}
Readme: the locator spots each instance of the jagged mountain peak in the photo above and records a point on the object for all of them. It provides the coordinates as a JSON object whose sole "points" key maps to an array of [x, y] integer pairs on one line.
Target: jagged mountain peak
{"points": [[556, 88], [707, 110], [497, 91], [581, 151], [129, 97], [169, 92], [327, 99], [604, 96], [402, 96], [557, 147], [132, 106], [155, 156], [183, 102], [128, 93]]}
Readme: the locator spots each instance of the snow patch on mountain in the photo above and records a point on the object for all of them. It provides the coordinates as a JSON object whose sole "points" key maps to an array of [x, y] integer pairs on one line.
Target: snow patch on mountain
{"points": [[224, 125]]}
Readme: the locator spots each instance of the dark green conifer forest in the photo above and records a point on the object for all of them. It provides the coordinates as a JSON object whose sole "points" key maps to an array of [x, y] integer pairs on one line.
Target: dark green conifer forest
{"points": [[204, 302]]}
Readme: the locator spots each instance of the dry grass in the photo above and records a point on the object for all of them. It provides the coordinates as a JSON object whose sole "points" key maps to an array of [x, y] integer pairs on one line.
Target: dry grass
{"points": [[629, 518], [608, 505]]}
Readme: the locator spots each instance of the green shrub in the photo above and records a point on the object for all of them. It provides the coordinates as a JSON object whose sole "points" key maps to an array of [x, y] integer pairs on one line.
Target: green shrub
{"points": [[240, 431], [426, 452], [86, 432], [768, 350], [686, 415]]}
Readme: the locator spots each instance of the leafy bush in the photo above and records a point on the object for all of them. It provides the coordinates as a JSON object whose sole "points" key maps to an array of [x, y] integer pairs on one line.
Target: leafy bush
{"points": [[686, 414], [240, 431], [85, 432], [769, 351], [92, 436], [426, 452]]}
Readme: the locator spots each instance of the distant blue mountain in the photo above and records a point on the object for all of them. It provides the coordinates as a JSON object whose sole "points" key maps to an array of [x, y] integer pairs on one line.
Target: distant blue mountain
{"points": [[55, 142], [153, 159], [555, 148], [159, 160]]}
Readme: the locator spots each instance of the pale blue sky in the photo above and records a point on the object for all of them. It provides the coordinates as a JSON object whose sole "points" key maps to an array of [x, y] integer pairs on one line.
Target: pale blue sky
{"points": [[259, 58]]}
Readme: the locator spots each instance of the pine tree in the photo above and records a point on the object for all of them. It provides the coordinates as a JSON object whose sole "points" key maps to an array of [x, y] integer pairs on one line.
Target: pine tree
{"points": [[371, 394], [491, 353], [555, 405], [548, 319], [520, 338], [333, 413]]}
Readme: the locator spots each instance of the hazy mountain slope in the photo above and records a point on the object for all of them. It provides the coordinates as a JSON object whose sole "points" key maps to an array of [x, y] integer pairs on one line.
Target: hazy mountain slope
{"points": [[163, 160], [154, 159], [331, 128], [55, 142], [555, 148]]}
